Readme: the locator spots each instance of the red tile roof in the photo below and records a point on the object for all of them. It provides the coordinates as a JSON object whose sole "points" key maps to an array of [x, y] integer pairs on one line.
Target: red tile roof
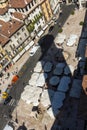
{"points": [[9, 28], [19, 15], [3, 40], [19, 3], [3, 10]]}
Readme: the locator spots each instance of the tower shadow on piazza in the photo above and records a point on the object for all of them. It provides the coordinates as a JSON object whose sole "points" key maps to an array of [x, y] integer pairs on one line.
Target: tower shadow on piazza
{"points": [[54, 86], [58, 86], [55, 80]]}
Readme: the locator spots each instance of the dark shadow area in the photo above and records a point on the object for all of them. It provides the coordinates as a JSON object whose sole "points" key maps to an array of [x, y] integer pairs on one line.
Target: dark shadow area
{"points": [[22, 127], [58, 80], [45, 42], [82, 55]]}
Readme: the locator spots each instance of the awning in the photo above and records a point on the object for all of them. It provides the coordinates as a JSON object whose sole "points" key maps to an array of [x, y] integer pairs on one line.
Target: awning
{"points": [[29, 45], [16, 58], [22, 52], [51, 22], [45, 27], [40, 33], [57, 8]]}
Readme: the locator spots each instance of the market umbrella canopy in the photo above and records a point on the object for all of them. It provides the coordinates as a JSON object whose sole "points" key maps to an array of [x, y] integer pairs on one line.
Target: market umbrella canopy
{"points": [[60, 38], [41, 79], [33, 79], [76, 88], [64, 84], [47, 97], [58, 71], [31, 95], [57, 102], [62, 65], [71, 40], [54, 80], [38, 67], [48, 66], [69, 69]]}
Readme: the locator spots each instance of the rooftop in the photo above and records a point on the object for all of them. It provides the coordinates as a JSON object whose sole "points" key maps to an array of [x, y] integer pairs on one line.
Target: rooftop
{"points": [[19, 15], [3, 40], [3, 10], [18, 4], [8, 28]]}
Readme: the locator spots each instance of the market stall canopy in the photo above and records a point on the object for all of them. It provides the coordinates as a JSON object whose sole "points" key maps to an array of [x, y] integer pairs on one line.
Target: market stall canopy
{"points": [[54, 80], [64, 84], [60, 38], [39, 66], [48, 67], [41, 79], [31, 95], [33, 79], [66, 70], [15, 79], [62, 65], [76, 88], [47, 97], [59, 69], [69, 69], [81, 64], [57, 102], [72, 39]]}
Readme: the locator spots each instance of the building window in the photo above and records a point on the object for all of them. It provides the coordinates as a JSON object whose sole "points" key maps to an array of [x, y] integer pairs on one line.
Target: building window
{"points": [[15, 35], [25, 34], [32, 3], [29, 6], [11, 47], [14, 45], [20, 38], [23, 29], [18, 42], [18, 33], [26, 9]]}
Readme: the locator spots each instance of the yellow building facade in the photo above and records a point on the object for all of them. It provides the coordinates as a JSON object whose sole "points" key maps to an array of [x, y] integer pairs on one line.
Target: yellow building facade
{"points": [[47, 11], [4, 59]]}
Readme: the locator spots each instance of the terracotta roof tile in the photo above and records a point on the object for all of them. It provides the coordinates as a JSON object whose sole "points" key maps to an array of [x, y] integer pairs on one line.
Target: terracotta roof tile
{"points": [[19, 3], [19, 15], [3, 40], [3, 10], [8, 28]]}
